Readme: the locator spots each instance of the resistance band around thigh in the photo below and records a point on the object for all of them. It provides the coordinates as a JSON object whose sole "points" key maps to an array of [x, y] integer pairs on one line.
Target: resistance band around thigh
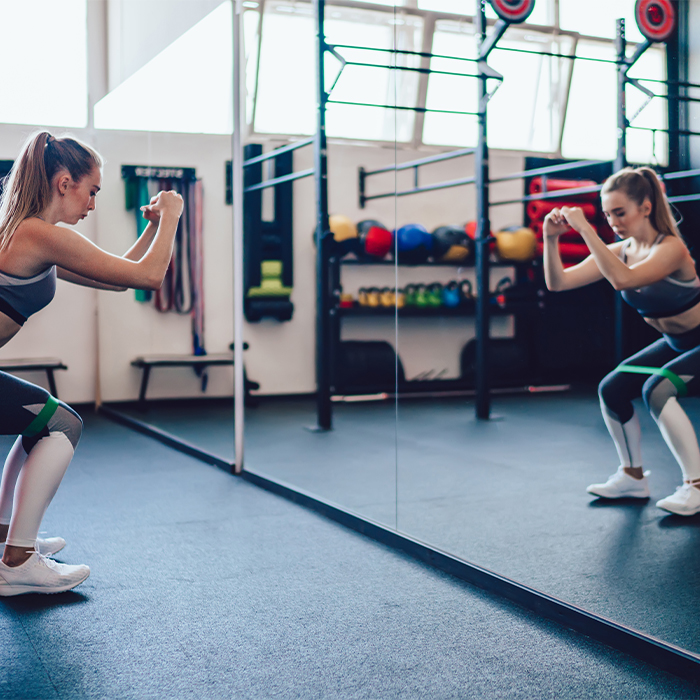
{"points": [[42, 419], [661, 371]]}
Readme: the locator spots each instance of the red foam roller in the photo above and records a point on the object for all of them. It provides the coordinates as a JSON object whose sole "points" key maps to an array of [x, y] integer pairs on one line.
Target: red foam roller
{"points": [[569, 252], [555, 185], [538, 210]]}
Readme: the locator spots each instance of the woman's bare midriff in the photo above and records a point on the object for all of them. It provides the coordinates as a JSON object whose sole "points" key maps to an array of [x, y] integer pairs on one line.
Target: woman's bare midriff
{"points": [[675, 325]]}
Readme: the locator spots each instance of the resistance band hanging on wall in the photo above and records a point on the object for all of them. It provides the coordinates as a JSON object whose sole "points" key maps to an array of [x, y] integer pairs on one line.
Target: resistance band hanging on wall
{"points": [[183, 286]]}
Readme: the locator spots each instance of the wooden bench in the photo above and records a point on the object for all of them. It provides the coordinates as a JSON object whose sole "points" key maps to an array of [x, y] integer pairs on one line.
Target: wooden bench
{"points": [[147, 362], [45, 364]]}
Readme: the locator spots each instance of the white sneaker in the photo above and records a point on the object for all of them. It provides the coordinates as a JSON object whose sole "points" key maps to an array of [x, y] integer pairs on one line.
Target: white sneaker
{"points": [[622, 485], [39, 574], [686, 501], [47, 547]]}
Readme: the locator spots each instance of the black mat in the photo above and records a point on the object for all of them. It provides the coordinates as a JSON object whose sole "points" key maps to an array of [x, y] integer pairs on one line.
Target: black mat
{"points": [[508, 495], [204, 586]]}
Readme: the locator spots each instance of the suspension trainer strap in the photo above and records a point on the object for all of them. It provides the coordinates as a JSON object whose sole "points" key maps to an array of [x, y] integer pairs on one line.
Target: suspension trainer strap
{"points": [[44, 416], [671, 376]]}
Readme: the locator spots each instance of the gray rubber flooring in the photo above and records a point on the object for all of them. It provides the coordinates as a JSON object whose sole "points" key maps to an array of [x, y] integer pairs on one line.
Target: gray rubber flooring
{"points": [[204, 586], [508, 495]]}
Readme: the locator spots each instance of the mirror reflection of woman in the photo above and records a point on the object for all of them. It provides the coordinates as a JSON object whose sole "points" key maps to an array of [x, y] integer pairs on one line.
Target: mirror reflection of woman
{"points": [[653, 269], [54, 180]]}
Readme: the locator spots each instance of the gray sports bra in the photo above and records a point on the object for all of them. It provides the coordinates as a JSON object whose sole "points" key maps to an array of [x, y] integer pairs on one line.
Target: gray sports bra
{"points": [[20, 297], [667, 297]]}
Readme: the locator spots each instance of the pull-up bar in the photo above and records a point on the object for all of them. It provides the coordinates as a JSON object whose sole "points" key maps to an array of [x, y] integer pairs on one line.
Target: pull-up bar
{"points": [[548, 170], [414, 164], [403, 52], [277, 152], [280, 180]]}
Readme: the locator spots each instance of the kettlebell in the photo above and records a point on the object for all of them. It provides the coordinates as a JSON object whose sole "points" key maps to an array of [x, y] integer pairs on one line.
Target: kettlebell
{"points": [[400, 298], [409, 295], [434, 295], [362, 297], [466, 288], [421, 298], [373, 297], [386, 297], [451, 295]]}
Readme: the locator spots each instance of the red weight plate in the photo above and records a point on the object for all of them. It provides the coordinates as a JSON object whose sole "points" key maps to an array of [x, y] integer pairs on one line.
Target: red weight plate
{"points": [[513, 11], [656, 19]]}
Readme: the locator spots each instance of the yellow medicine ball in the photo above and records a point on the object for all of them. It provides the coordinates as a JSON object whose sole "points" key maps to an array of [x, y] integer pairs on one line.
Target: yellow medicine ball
{"points": [[518, 245], [341, 227]]}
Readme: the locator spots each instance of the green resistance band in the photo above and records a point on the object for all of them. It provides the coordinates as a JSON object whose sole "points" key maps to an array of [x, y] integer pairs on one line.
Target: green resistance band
{"points": [[673, 378], [39, 423]]}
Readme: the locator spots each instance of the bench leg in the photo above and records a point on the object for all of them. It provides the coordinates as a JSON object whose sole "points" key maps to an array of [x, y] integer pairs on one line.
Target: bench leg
{"points": [[144, 385], [52, 383]]}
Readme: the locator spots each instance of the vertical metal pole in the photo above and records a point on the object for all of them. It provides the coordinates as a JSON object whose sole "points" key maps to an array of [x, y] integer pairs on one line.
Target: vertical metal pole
{"points": [[621, 54], [237, 184], [677, 71], [620, 162], [324, 306], [483, 231]]}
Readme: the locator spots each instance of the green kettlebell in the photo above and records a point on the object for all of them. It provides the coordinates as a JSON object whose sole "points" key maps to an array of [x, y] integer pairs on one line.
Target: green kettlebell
{"points": [[410, 295], [434, 295], [421, 298]]}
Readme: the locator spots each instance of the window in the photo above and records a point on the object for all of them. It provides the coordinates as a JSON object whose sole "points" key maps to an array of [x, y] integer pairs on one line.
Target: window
{"points": [[526, 112], [195, 98], [35, 37], [288, 68], [597, 18]]}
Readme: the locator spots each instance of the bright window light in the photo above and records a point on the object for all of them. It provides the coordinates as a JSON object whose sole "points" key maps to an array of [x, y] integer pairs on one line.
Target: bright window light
{"points": [[44, 45], [541, 14], [526, 111], [648, 146], [591, 119], [287, 90], [196, 97], [452, 93], [597, 17], [590, 130]]}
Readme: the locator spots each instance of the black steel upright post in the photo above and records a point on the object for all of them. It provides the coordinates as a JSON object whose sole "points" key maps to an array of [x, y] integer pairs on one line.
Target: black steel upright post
{"points": [[621, 54], [620, 162], [483, 232], [324, 305], [677, 73]]}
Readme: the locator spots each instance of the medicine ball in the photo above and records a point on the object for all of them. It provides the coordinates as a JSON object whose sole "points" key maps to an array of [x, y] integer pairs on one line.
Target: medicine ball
{"points": [[516, 244], [342, 227], [451, 244], [375, 239], [344, 234], [414, 244], [470, 227]]}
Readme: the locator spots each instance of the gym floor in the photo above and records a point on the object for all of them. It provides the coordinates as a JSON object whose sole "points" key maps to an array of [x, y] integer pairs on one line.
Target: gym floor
{"points": [[204, 586], [508, 495]]}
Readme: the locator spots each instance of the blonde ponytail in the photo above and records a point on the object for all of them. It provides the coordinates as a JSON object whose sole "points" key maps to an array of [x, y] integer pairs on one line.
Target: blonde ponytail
{"points": [[640, 184], [27, 190]]}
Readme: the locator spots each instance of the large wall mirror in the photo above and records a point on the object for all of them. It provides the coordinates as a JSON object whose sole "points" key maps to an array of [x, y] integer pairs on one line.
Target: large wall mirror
{"points": [[499, 478], [165, 358]]}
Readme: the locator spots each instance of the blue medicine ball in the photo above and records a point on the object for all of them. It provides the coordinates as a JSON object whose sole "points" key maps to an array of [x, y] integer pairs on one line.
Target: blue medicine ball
{"points": [[414, 244]]}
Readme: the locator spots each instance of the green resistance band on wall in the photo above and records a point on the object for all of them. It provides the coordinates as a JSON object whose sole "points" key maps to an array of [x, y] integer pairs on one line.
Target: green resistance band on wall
{"points": [[672, 377], [44, 416]]}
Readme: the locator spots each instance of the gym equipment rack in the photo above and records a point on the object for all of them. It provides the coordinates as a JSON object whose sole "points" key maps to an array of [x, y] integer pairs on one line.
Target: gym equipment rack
{"points": [[328, 262]]}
